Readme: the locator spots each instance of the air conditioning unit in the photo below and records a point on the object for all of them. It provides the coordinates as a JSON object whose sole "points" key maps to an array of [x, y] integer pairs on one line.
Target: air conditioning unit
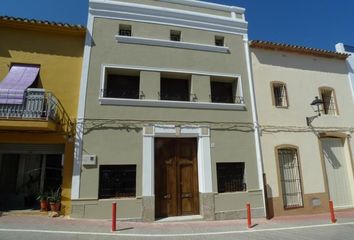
{"points": [[89, 160]]}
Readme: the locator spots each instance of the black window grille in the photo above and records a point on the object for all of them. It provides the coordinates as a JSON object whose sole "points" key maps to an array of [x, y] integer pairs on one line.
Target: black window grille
{"points": [[125, 30], [280, 95], [219, 41], [174, 89], [231, 177], [175, 36], [117, 181], [329, 105], [222, 92], [290, 178], [119, 86]]}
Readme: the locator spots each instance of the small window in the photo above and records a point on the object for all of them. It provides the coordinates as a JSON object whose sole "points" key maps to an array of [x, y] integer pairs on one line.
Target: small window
{"points": [[175, 89], [231, 177], [117, 181], [290, 177], [329, 104], [222, 92], [175, 35], [219, 41], [125, 30], [280, 95], [121, 86]]}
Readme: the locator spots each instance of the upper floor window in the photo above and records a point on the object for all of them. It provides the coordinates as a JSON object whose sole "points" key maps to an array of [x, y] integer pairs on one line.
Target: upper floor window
{"points": [[125, 30], [290, 177], [122, 85], [174, 89], [219, 41], [175, 35], [329, 103], [280, 95], [222, 92], [230, 177]]}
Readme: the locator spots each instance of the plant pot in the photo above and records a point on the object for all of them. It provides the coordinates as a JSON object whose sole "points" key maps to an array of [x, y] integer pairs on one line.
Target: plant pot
{"points": [[54, 206], [44, 205]]}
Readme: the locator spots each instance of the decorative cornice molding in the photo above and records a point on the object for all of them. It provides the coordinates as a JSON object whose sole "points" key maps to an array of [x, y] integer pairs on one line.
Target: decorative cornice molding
{"points": [[171, 44], [208, 5], [167, 16]]}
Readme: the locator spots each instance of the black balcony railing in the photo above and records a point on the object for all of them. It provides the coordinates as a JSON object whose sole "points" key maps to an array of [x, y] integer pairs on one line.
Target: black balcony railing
{"points": [[41, 105]]}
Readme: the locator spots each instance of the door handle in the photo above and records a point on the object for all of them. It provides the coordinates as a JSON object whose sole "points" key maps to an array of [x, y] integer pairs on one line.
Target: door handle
{"points": [[167, 196]]}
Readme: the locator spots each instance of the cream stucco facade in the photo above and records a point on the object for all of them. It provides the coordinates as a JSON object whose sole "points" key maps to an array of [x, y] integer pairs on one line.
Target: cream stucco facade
{"points": [[303, 75]]}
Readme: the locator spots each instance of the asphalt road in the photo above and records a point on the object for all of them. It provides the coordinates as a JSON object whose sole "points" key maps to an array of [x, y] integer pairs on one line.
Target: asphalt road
{"points": [[339, 231]]}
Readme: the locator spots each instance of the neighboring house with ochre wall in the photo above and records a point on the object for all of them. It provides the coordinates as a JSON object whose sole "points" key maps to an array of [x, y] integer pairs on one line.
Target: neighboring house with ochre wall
{"points": [[40, 70], [305, 165]]}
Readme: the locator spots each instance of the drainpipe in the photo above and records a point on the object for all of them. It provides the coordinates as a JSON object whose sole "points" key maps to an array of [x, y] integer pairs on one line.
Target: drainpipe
{"points": [[255, 121]]}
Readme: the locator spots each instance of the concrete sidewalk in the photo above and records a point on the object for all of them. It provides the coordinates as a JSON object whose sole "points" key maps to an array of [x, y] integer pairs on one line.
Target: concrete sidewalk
{"points": [[101, 229]]}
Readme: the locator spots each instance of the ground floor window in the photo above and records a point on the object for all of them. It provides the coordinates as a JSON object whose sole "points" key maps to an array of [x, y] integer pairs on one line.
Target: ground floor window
{"points": [[290, 177], [117, 181], [231, 177]]}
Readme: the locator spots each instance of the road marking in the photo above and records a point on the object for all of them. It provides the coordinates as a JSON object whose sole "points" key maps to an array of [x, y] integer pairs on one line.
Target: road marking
{"points": [[173, 235]]}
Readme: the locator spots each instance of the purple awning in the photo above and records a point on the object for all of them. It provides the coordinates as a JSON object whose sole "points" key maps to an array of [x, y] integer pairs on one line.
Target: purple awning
{"points": [[19, 78]]}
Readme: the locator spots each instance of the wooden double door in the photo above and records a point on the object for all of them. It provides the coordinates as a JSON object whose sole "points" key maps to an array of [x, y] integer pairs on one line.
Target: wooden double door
{"points": [[176, 177]]}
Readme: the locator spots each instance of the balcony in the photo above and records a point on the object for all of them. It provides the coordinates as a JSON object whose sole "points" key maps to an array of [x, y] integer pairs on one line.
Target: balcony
{"points": [[40, 110]]}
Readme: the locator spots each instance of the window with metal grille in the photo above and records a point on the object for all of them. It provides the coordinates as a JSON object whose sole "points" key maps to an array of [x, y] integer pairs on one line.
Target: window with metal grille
{"points": [[329, 104], [120, 86], [222, 92], [219, 41], [175, 89], [290, 177], [117, 181], [280, 95], [125, 30], [231, 177], [175, 35]]}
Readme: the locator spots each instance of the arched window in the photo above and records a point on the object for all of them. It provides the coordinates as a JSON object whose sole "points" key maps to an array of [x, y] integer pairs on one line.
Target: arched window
{"points": [[280, 95], [329, 101], [290, 177]]}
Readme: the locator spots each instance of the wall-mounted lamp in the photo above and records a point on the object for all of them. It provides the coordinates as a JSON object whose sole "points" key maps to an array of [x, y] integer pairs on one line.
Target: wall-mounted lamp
{"points": [[315, 104]]}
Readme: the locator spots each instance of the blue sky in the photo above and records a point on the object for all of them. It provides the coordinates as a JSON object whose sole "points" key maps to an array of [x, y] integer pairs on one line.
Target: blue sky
{"points": [[312, 23]]}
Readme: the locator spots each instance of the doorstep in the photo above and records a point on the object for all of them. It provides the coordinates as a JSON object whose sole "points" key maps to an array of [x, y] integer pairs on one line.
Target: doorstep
{"points": [[181, 218]]}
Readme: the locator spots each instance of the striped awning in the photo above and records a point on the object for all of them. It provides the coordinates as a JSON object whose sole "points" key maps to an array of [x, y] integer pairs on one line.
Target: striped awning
{"points": [[19, 78]]}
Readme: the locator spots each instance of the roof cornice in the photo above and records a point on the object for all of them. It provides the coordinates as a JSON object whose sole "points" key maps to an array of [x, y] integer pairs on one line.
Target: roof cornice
{"points": [[166, 16], [297, 49], [44, 25], [208, 5]]}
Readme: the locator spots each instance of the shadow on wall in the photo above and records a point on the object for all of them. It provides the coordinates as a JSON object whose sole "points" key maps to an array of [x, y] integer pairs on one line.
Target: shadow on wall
{"points": [[40, 42], [269, 199], [300, 61], [331, 158]]}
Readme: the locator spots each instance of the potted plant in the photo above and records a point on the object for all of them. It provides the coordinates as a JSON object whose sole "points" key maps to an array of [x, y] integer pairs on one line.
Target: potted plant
{"points": [[54, 200], [43, 200]]}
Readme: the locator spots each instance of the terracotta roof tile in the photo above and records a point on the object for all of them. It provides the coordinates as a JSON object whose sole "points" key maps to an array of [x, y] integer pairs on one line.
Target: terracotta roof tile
{"points": [[43, 22], [298, 49]]}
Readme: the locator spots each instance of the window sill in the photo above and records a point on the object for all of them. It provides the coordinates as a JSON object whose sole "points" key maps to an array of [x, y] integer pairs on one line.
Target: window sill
{"points": [[170, 104], [116, 199], [172, 44]]}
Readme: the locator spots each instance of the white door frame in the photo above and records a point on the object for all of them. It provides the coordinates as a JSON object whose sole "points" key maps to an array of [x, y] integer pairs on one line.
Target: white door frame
{"points": [[204, 157]]}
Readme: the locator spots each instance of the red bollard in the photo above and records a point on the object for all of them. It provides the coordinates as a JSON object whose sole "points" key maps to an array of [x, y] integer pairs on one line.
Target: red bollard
{"points": [[331, 209], [249, 222], [114, 217]]}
